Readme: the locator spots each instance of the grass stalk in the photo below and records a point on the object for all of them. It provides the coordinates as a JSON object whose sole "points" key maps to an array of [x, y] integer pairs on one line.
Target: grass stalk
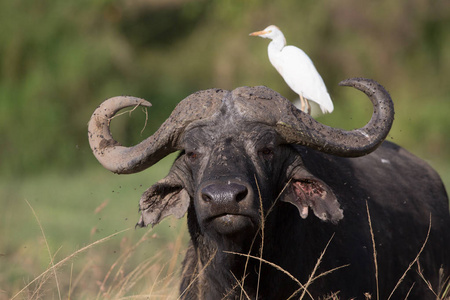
{"points": [[63, 261], [272, 265], [124, 258], [261, 249], [198, 274], [240, 284], [409, 291], [375, 262], [48, 248], [413, 262], [70, 281], [316, 266], [259, 229]]}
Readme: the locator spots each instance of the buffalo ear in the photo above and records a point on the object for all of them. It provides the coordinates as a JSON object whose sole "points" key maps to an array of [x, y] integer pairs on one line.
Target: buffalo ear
{"points": [[307, 191], [166, 197]]}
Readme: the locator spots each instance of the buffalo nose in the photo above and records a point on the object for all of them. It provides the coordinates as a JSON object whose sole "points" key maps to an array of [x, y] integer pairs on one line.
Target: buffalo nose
{"points": [[222, 193]]}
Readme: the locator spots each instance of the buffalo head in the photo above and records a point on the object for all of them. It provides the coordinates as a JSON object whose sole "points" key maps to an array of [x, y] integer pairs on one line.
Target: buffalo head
{"points": [[238, 159]]}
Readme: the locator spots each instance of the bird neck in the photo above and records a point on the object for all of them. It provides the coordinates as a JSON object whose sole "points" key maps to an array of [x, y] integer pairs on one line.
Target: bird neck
{"points": [[277, 43]]}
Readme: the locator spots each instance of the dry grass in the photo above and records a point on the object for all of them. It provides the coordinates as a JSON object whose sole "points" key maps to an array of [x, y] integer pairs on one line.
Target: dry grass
{"points": [[374, 251], [157, 277], [443, 292], [302, 287], [144, 110], [152, 278]]}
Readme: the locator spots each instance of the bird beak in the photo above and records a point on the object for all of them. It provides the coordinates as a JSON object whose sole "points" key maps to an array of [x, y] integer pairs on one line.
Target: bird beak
{"points": [[257, 33]]}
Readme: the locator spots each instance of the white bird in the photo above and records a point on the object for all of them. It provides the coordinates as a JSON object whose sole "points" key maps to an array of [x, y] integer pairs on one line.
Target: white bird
{"points": [[297, 70]]}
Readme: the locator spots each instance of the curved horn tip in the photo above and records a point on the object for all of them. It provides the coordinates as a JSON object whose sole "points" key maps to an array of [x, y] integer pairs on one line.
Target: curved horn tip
{"points": [[107, 150], [351, 81], [354, 82], [126, 101]]}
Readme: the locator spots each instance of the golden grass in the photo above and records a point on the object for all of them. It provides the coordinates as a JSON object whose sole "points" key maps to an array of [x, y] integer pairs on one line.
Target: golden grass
{"points": [[302, 287], [152, 278], [44, 276], [157, 276], [442, 294], [374, 250], [48, 250], [415, 260]]}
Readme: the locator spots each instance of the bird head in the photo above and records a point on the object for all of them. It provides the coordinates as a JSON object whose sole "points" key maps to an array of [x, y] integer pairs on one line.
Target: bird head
{"points": [[270, 32]]}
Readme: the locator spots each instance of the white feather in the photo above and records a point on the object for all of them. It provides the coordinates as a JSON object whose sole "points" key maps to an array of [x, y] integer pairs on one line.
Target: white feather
{"points": [[296, 68]]}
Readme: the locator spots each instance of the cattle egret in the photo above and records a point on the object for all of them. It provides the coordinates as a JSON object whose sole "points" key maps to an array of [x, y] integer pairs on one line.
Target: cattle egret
{"points": [[297, 70]]}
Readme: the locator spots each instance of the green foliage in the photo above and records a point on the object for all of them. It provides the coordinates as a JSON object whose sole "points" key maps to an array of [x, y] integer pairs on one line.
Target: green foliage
{"points": [[59, 60]]}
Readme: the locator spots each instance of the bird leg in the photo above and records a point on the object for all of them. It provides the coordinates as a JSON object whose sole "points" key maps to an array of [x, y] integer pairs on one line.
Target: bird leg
{"points": [[304, 103]]}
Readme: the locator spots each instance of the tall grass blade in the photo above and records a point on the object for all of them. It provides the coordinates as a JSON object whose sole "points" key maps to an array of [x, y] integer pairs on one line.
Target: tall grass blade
{"points": [[374, 251], [63, 261], [48, 248], [261, 249], [413, 262]]}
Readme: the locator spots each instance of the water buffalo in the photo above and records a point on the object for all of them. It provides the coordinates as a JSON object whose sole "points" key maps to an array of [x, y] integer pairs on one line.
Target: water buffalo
{"points": [[267, 190]]}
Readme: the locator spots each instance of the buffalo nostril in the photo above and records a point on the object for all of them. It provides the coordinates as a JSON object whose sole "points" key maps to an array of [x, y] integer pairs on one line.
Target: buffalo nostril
{"points": [[206, 198], [224, 193], [241, 195]]}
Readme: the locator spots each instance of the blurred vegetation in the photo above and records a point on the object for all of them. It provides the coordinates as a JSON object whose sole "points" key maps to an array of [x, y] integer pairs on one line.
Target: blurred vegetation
{"points": [[60, 59]]}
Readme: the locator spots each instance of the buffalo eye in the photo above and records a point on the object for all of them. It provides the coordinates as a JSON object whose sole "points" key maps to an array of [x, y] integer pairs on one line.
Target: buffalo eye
{"points": [[192, 156], [266, 153]]}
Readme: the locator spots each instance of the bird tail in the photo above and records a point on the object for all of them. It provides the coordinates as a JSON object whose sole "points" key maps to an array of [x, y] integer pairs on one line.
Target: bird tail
{"points": [[327, 106]]}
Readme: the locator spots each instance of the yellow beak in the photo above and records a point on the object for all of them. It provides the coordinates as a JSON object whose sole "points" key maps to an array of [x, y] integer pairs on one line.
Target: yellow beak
{"points": [[256, 33]]}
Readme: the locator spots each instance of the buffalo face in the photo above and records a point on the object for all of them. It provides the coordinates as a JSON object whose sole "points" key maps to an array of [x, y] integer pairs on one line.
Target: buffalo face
{"points": [[233, 179]]}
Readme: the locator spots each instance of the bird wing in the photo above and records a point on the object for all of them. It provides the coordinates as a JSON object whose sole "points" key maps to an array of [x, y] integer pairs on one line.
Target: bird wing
{"points": [[300, 74]]}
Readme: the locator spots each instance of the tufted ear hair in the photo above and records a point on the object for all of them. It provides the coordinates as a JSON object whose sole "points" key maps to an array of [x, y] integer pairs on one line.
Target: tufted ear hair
{"points": [[307, 191], [166, 197]]}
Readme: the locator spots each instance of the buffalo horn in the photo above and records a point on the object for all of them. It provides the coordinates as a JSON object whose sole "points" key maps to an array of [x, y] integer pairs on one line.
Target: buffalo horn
{"points": [[126, 160], [297, 127]]}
